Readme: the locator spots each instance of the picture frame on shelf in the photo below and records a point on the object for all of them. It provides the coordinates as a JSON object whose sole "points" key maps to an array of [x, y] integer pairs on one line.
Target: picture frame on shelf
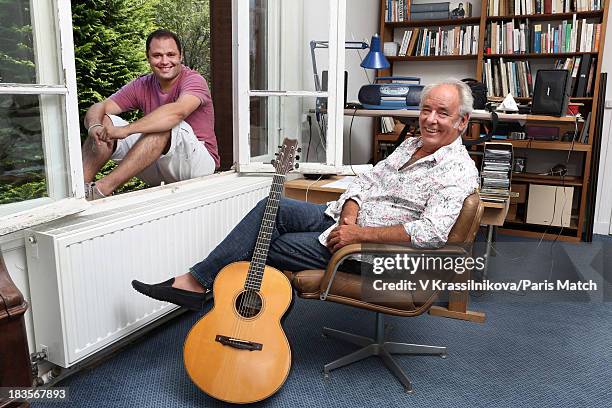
{"points": [[460, 9]]}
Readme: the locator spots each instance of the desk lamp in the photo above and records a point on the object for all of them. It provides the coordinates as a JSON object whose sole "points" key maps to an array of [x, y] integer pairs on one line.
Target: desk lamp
{"points": [[375, 58]]}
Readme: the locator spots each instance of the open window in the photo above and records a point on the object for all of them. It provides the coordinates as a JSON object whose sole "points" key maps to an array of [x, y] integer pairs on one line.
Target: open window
{"points": [[40, 161], [275, 86]]}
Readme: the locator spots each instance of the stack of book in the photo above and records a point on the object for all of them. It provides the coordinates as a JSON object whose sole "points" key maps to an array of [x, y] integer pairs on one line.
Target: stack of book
{"points": [[397, 11], [429, 11], [496, 172]]}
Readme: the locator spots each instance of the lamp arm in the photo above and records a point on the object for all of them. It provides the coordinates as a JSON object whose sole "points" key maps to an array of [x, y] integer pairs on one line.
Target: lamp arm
{"points": [[313, 46], [349, 45]]}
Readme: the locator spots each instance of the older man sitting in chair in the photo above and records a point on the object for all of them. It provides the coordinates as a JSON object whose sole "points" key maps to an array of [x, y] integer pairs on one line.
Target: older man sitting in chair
{"points": [[414, 197]]}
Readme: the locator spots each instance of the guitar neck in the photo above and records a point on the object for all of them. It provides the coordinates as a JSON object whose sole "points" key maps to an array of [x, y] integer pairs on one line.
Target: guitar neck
{"points": [[262, 245]]}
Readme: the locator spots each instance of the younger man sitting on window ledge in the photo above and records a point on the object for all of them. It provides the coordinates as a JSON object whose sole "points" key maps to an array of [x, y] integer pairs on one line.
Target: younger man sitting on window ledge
{"points": [[414, 196], [174, 141]]}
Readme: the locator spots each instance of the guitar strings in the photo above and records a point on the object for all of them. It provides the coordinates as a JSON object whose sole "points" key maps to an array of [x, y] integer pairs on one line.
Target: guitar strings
{"points": [[257, 260], [257, 265]]}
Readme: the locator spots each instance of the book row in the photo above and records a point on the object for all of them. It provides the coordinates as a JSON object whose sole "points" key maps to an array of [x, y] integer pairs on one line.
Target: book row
{"points": [[504, 77], [515, 77], [459, 40], [515, 37], [404, 10], [527, 7]]}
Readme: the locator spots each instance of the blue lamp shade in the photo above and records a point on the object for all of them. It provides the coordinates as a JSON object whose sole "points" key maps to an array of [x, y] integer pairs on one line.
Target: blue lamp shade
{"points": [[375, 58]]}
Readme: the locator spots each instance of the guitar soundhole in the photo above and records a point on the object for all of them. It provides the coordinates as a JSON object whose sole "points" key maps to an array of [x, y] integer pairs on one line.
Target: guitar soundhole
{"points": [[248, 303]]}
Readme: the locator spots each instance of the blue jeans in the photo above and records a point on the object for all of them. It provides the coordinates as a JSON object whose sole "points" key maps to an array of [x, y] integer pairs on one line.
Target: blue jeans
{"points": [[294, 244]]}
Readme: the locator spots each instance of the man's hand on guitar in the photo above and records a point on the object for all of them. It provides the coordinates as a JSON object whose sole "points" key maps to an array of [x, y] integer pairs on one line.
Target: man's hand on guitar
{"points": [[344, 234]]}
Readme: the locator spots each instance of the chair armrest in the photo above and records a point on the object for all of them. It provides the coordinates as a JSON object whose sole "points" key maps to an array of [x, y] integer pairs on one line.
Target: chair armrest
{"points": [[342, 254]]}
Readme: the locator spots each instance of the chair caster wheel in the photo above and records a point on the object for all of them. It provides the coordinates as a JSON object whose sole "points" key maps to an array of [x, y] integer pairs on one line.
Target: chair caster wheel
{"points": [[409, 391], [443, 355], [324, 335], [326, 375]]}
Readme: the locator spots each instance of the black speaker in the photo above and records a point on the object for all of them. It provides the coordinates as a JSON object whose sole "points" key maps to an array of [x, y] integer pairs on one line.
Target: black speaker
{"points": [[551, 92]]}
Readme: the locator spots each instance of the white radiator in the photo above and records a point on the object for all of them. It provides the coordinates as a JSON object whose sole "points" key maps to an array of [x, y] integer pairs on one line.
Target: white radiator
{"points": [[80, 268]]}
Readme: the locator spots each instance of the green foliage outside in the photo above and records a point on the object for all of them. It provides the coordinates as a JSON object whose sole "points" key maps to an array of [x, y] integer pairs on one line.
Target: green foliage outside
{"points": [[190, 20], [109, 40], [22, 174]]}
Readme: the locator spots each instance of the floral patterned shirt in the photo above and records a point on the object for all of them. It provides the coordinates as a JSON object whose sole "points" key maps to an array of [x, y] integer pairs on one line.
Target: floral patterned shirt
{"points": [[425, 197]]}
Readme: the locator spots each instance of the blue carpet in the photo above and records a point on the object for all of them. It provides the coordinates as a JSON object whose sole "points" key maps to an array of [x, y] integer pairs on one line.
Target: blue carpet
{"points": [[535, 350]]}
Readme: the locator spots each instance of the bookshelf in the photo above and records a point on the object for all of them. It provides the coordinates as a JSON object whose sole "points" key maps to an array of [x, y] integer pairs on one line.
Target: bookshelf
{"points": [[578, 38]]}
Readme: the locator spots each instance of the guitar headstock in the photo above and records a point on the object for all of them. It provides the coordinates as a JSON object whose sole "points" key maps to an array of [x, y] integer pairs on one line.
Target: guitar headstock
{"points": [[286, 156]]}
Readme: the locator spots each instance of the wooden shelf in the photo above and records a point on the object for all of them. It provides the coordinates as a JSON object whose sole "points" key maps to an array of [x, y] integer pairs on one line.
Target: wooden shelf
{"points": [[427, 23], [549, 145], [476, 115], [538, 55], [550, 180], [387, 137], [433, 58], [548, 17], [528, 99], [546, 148]]}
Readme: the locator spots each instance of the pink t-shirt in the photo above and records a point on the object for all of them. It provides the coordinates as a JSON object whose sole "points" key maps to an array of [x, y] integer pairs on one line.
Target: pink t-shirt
{"points": [[145, 93]]}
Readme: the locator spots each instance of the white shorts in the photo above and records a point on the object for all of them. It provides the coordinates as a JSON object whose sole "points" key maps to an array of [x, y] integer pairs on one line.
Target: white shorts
{"points": [[186, 158]]}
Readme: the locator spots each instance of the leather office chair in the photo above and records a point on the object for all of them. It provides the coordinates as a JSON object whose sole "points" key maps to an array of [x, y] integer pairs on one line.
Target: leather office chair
{"points": [[346, 288]]}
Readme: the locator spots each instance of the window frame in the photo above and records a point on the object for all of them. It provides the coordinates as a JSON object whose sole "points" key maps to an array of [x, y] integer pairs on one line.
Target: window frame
{"points": [[242, 92], [52, 22]]}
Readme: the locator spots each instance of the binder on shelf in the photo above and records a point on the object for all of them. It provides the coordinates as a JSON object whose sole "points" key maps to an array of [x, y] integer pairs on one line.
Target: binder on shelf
{"points": [[430, 15], [583, 75], [425, 8]]}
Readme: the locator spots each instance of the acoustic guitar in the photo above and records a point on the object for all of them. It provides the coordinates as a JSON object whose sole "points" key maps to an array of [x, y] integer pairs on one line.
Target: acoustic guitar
{"points": [[238, 352]]}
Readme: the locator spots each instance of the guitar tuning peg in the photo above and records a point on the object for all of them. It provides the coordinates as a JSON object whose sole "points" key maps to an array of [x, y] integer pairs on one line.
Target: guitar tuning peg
{"points": [[280, 146], [297, 157], [273, 162], [297, 165], [276, 154], [299, 150]]}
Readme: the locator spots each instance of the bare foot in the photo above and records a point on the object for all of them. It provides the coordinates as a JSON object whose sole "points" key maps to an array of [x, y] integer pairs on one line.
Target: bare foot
{"points": [[187, 282]]}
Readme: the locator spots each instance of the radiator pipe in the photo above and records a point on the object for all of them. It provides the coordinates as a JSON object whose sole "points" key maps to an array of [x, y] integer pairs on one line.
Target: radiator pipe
{"points": [[47, 377]]}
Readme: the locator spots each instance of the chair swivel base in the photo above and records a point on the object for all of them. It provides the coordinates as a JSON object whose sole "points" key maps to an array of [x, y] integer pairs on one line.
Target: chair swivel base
{"points": [[381, 348]]}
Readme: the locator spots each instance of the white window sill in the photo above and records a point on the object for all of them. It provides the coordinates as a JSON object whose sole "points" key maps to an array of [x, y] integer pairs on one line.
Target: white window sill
{"points": [[55, 210]]}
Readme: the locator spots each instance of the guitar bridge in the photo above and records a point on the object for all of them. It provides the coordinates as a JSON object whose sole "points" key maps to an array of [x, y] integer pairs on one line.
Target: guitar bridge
{"points": [[239, 344]]}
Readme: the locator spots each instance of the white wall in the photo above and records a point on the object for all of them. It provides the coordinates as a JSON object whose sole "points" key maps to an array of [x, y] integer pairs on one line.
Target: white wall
{"points": [[603, 207], [362, 18]]}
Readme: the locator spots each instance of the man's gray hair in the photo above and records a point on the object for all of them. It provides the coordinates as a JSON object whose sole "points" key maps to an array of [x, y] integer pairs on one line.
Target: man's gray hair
{"points": [[466, 100]]}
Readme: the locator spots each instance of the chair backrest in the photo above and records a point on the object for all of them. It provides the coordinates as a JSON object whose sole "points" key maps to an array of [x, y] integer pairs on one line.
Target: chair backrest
{"points": [[467, 224]]}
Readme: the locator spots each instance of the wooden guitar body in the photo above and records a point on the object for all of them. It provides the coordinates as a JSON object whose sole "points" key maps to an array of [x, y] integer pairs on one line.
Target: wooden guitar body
{"points": [[238, 352]]}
